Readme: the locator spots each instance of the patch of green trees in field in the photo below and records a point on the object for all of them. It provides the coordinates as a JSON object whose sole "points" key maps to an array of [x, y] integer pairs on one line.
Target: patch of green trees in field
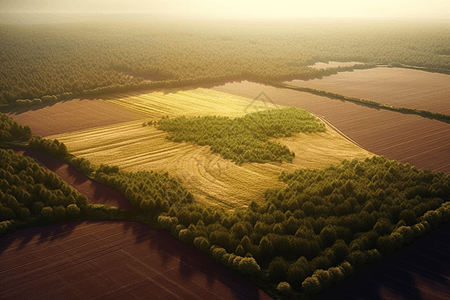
{"points": [[43, 64], [244, 139]]}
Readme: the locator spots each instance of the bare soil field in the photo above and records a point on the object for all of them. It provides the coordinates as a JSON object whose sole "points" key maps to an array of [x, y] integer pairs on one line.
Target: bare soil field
{"points": [[419, 271], [393, 86], [95, 192], [423, 143], [112, 260], [333, 64], [73, 115]]}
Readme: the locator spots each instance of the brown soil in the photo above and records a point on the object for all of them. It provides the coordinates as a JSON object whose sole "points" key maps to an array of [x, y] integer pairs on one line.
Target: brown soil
{"points": [[112, 260], [393, 86], [73, 115], [412, 139], [96, 192]]}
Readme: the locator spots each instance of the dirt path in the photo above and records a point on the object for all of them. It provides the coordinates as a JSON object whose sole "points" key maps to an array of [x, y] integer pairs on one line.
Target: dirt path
{"points": [[112, 260], [95, 192]]}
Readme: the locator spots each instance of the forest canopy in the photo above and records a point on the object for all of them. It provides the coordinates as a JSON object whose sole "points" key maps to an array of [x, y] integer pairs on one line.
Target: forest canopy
{"points": [[44, 63]]}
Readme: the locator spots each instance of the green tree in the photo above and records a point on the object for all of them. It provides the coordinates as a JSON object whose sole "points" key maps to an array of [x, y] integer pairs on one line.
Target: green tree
{"points": [[72, 211], [249, 266], [278, 269], [298, 272], [47, 213]]}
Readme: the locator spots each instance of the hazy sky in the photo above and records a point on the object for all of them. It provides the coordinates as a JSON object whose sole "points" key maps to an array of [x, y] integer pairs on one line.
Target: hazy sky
{"points": [[251, 9]]}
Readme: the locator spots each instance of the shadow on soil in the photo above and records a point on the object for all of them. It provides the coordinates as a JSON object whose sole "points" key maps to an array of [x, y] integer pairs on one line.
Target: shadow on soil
{"points": [[190, 261], [181, 261], [419, 271], [39, 234]]}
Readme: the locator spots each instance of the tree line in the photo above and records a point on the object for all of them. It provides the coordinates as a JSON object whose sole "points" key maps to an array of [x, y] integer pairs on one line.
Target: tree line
{"points": [[244, 139]]}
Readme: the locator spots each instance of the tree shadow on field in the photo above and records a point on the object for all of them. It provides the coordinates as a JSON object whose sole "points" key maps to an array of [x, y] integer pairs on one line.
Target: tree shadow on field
{"points": [[40, 234], [189, 267], [122, 249], [419, 271]]}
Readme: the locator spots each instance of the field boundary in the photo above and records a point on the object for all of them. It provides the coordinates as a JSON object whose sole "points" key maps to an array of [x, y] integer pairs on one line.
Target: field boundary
{"points": [[322, 118]]}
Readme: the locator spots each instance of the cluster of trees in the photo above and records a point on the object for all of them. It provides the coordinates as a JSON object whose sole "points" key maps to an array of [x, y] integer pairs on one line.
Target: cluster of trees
{"points": [[30, 192], [10, 130], [149, 191], [44, 64], [244, 139]]}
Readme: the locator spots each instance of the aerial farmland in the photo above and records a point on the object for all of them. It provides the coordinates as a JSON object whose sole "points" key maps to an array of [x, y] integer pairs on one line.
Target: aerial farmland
{"points": [[224, 152]]}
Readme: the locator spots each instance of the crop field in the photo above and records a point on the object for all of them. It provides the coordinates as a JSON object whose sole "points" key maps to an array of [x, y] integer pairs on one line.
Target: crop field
{"points": [[421, 142], [112, 260], [213, 180], [182, 102], [393, 86]]}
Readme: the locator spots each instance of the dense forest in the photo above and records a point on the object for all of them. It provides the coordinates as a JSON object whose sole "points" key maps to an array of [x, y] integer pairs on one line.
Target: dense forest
{"points": [[244, 139], [45, 63]]}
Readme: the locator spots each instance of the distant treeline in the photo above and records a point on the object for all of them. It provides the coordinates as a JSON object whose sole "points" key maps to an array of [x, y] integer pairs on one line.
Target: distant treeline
{"points": [[244, 139], [50, 63]]}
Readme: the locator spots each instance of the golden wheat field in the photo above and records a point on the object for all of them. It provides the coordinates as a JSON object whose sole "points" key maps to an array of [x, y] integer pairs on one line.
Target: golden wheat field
{"points": [[214, 181]]}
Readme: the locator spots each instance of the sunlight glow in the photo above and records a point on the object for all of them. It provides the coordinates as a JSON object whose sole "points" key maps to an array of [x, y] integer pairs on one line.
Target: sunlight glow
{"points": [[248, 9]]}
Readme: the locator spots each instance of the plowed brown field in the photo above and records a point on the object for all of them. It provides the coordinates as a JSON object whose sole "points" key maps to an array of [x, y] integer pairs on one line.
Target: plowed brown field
{"points": [[112, 260], [412, 139], [393, 86], [74, 115]]}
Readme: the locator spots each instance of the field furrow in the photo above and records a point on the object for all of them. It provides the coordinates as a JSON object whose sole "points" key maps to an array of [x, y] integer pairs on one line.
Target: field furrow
{"points": [[108, 259]]}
